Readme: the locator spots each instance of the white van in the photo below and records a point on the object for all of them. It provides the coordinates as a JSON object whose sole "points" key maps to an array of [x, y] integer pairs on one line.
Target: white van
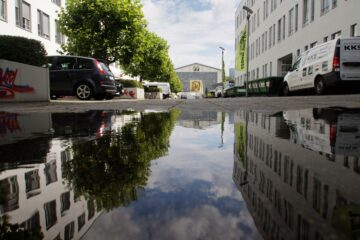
{"points": [[325, 65], [164, 86]]}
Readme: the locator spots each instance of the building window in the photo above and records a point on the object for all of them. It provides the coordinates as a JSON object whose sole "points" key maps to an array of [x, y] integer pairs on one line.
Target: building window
{"points": [[23, 14], [336, 35], [3, 9], [50, 214], [284, 27], [57, 2], [296, 17], [306, 11], [258, 17], [279, 30], [353, 30], [291, 21], [324, 6], [297, 53], [334, 3], [43, 24], [270, 37], [59, 37], [274, 34], [326, 39], [313, 44], [196, 69]]}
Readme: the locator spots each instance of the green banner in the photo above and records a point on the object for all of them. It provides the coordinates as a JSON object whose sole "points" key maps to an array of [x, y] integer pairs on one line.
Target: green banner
{"points": [[240, 60]]}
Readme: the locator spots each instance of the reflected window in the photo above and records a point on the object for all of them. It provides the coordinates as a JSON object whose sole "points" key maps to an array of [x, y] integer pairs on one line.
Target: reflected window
{"points": [[32, 182], [69, 231], [288, 214], [50, 214], [65, 202], [57, 237], [299, 179], [356, 165], [9, 189], [50, 172], [81, 221], [91, 209], [303, 228], [32, 223]]}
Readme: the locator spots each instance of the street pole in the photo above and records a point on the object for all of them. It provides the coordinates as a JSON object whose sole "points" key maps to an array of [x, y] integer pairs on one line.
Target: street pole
{"points": [[222, 65], [249, 11]]}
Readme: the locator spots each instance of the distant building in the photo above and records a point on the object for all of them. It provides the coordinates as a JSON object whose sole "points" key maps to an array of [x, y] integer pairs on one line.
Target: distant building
{"points": [[232, 73], [197, 77], [281, 30]]}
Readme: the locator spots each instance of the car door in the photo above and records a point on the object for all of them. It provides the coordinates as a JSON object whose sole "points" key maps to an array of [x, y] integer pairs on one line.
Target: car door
{"points": [[61, 82], [295, 76]]}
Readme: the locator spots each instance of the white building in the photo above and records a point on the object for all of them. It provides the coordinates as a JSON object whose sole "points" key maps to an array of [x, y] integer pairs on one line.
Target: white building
{"points": [[280, 30], [35, 19]]}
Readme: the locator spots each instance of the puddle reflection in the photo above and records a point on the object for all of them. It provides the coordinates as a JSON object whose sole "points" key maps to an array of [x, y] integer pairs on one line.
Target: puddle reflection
{"points": [[173, 175], [298, 172]]}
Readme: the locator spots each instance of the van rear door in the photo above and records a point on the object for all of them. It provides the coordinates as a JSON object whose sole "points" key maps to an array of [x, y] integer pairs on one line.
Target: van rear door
{"points": [[350, 59]]}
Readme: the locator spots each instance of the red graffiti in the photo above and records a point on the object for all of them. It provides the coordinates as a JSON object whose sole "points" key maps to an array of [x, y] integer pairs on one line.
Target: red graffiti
{"points": [[8, 88], [130, 93], [8, 122]]}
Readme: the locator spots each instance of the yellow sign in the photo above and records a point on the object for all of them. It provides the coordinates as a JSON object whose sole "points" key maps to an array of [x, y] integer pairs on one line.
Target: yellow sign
{"points": [[196, 86], [240, 60]]}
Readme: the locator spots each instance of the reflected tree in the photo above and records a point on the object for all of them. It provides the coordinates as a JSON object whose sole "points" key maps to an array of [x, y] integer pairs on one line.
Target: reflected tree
{"points": [[112, 169]]}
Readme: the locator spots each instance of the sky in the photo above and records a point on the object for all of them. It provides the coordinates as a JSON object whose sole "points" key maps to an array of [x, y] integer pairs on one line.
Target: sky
{"points": [[195, 29]]}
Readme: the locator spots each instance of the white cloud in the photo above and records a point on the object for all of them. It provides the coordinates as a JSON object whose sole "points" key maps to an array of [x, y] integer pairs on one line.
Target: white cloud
{"points": [[194, 29]]}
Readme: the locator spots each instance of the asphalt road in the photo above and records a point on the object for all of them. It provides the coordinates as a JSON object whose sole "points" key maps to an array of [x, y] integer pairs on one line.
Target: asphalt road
{"points": [[264, 104]]}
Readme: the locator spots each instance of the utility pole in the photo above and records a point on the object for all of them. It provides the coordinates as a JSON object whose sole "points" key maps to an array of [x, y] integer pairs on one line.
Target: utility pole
{"points": [[249, 12]]}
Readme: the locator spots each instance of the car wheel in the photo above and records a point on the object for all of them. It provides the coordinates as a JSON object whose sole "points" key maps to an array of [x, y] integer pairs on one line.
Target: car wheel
{"points": [[84, 91], [319, 86], [285, 90]]}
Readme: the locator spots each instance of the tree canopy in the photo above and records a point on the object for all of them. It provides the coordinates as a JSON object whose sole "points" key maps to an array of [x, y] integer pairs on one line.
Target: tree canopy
{"points": [[105, 29]]}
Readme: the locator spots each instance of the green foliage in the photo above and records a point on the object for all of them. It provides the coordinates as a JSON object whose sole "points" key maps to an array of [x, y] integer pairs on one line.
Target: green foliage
{"points": [[151, 61], [102, 29], [152, 89], [22, 50], [117, 165], [131, 84]]}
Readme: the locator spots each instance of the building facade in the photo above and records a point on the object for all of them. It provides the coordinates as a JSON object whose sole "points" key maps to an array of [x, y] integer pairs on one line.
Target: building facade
{"points": [[280, 30], [197, 77], [33, 19]]}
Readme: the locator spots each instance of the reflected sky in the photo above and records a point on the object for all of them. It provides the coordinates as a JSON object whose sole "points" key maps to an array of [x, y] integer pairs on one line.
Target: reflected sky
{"points": [[189, 195]]}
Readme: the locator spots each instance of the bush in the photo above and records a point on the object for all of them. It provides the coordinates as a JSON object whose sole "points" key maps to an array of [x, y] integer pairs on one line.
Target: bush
{"points": [[152, 89], [22, 50], [131, 84]]}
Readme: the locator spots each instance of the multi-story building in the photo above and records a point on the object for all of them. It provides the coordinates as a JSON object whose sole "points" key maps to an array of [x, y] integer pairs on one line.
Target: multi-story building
{"points": [[280, 30], [33, 19]]}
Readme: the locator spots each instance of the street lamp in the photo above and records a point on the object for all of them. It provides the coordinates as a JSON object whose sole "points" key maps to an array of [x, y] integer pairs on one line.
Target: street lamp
{"points": [[249, 12], [222, 64]]}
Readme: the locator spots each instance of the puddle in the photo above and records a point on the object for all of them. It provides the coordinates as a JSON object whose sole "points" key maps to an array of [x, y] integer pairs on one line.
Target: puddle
{"points": [[181, 175]]}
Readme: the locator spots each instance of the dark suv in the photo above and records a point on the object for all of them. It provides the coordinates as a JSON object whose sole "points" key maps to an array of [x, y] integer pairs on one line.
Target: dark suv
{"points": [[81, 77]]}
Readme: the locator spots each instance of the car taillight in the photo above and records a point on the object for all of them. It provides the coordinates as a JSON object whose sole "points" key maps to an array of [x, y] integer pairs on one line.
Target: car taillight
{"points": [[99, 67], [333, 129], [336, 64]]}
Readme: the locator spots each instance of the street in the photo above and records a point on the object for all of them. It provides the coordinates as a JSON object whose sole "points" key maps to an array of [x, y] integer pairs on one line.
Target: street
{"points": [[264, 104]]}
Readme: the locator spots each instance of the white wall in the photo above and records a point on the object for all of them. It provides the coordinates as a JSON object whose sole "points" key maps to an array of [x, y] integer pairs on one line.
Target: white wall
{"points": [[22, 82]]}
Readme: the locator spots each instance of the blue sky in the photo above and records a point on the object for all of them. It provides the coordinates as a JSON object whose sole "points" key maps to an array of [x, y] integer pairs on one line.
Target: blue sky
{"points": [[194, 29]]}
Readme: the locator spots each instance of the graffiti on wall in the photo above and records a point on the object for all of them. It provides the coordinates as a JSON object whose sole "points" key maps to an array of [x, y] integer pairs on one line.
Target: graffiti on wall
{"points": [[8, 87], [129, 93], [8, 123]]}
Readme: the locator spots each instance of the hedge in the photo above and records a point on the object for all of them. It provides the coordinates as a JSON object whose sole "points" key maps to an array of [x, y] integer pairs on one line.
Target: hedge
{"points": [[131, 84], [22, 50], [152, 89]]}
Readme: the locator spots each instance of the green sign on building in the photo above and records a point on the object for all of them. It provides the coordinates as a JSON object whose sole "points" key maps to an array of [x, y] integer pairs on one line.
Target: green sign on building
{"points": [[240, 61]]}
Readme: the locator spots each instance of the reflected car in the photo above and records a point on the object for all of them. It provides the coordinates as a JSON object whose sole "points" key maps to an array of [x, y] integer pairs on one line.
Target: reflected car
{"points": [[82, 77]]}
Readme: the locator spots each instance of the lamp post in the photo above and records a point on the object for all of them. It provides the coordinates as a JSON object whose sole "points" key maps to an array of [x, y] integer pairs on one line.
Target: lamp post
{"points": [[222, 65], [249, 12]]}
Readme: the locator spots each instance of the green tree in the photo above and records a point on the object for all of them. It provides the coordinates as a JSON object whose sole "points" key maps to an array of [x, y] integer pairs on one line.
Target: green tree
{"points": [[116, 166], [104, 29]]}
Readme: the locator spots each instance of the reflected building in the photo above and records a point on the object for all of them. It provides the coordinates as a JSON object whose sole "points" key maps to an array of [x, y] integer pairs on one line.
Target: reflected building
{"points": [[294, 177], [36, 196], [199, 120]]}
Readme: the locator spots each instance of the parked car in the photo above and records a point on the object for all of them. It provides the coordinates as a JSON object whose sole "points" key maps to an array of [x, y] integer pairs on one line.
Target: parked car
{"points": [[119, 89], [217, 92], [82, 77], [333, 63]]}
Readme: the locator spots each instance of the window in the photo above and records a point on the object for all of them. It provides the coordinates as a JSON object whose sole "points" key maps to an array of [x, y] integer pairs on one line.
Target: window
{"points": [[258, 17], [334, 3], [50, 172], [50, 214], [306, 11], [312, 10], [23, 14], [83, 63], [291, 21], [43, 24], [313, 44], [81, 221], [65, 202], [270, 37], [3, 9], [279, 30], [270, 67], [296, 17], [326, 39], [324, 6], [57, 2], [65, 63], [69, 231], [336, 35], [353, 30], [283, 32]]}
